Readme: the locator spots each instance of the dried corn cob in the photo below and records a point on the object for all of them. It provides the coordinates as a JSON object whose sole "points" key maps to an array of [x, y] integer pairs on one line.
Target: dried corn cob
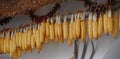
{"points": [[90, 21], [83, 29], [20, 38], [25, 39], [8, 43], [115, 25], [100, 25], [47, 38], [110, 21], [70, 32], [95, 27], [56, 30], [52, 31], [5, 46], [60, 29], [119, 19], [0, 45], [42, 32], [29, 38], [74, 28], [78, 26], [39, 48], [32, 43], [65, 28], [105, 21], [11, 48]]}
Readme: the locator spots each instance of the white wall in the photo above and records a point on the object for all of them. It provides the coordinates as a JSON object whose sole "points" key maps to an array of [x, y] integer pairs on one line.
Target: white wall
{"points": [[106, 46]]}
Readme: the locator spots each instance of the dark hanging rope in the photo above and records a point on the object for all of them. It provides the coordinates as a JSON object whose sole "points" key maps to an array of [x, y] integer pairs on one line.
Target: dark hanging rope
{"points": [[76, 49], [93, 50], [84, 50]]}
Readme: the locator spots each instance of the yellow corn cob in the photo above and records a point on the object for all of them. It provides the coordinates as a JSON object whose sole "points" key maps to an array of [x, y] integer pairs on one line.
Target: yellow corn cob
{"points": [[70, 32], [74, 28], [83, 29], [20, 39], [11, 48], [105, 21], [19, 52], [0, 45], [78, 28], [14, 48], [56, 31], [110, 22], [39, 48], [17, 38], [90, 32], [2, 42], [65, 29], [42, 32], [60, 30], [37, 41], [119, 19], [5, 46], [115, 25], [100, 25], [32, 42], [95, 27], [25, 44], [47, 38], [52, 31], [29, 38], [8, 43]]}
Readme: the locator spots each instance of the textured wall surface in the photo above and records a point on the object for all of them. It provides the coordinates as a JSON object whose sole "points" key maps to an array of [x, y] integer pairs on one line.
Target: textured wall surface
{"points": [[106, 47]]}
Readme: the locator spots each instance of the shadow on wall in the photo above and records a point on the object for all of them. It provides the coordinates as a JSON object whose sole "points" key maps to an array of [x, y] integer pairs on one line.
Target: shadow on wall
{"points": [[114, 52]]}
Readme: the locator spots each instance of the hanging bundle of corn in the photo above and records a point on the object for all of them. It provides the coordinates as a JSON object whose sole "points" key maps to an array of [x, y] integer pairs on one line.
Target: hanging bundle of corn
{"points": [[105, 21], [83, 28], [65, 29], [95, 27], [90, 21], [52, 29], [115, 25], [110, 21], [60, 29], [47, 38], [78, 26], [70, 32], [100, 25]]}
